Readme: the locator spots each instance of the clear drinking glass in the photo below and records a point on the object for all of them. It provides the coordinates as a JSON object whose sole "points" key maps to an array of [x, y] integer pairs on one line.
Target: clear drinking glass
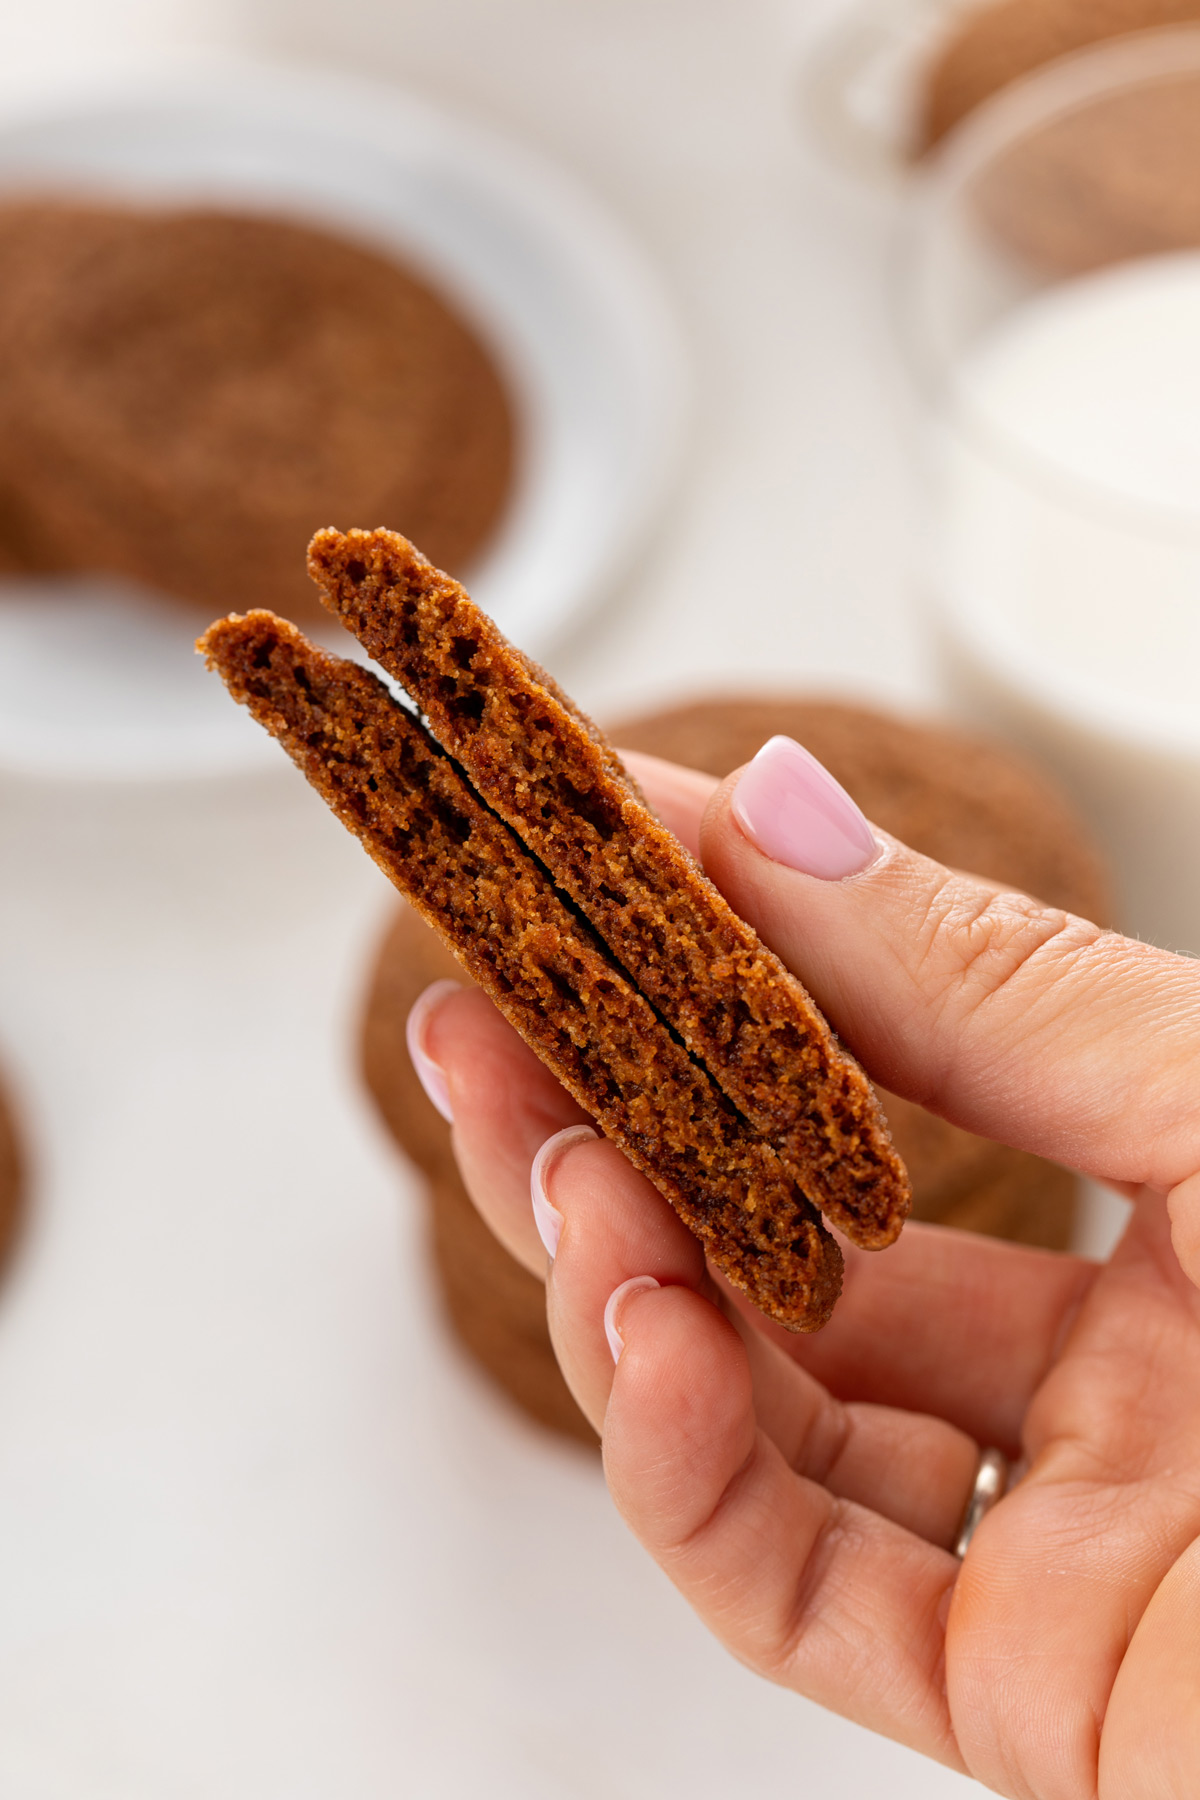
{"points": [[1051, 305]]}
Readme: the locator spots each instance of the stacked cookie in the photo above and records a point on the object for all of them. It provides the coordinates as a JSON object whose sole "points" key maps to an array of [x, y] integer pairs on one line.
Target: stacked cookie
{"points": [[966, 803]]}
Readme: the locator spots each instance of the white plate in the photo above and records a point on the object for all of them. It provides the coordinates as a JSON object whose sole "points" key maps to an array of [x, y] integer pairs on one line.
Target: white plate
{"points": [[97, 680]]}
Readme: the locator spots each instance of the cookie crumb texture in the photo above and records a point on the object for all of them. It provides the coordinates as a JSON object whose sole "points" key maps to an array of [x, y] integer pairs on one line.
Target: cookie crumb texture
{"points": [[547, 772], [468, 874], [186, 396]]}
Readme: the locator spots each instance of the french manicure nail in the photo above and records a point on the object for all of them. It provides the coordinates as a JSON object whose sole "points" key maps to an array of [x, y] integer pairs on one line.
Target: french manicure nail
{"points": [[432, 1078], [546, 1216], [797, 814], [616, 1342]]}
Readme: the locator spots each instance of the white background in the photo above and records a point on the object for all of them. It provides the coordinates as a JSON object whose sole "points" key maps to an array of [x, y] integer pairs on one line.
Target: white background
{"points": [[262, 1532]]}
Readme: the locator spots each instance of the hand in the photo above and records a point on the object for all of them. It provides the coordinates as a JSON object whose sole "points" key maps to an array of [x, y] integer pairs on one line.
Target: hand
{"points": [[803, 1493]]}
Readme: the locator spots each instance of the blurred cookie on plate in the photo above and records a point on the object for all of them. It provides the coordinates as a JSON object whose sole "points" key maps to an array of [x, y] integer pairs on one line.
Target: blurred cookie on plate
{"points": [[964, 802], [1102, 183], [187, 395], [994, 45]]}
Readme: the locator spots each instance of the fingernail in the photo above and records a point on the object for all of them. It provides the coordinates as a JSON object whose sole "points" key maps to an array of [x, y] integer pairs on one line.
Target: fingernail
{"points": [[431, 1076], [546, 1216], [798, 815], [616, 1342]]}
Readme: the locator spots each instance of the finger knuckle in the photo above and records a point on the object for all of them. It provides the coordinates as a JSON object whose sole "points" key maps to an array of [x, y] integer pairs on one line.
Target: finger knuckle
{"points": [[976, 947], [802, 1629]]}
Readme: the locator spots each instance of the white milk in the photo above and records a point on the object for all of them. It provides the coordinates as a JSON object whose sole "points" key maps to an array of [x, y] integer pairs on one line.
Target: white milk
{"points": [[1068, 562]]}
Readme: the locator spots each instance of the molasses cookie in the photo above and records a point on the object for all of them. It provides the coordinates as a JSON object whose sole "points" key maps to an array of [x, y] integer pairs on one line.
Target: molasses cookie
{"points": [[997, 44], [1099, 183], [552, 976], [186, 395], [741, 1016]]}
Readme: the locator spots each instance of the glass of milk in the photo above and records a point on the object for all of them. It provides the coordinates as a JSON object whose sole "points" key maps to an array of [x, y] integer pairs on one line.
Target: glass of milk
{"points": [[1052, 303]]}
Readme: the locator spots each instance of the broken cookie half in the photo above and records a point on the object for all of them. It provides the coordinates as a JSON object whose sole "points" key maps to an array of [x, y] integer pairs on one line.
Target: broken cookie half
{"points": [[511, 825]]}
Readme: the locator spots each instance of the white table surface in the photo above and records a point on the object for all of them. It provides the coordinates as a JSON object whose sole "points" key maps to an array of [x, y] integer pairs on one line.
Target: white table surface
{"points": [[263, 1532]]}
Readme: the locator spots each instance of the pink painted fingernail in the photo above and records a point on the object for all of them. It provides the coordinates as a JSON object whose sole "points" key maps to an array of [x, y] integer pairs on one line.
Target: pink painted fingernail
{"points": [[431, 1076], [546, 1217], [798, 815], [616, 1342]]}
